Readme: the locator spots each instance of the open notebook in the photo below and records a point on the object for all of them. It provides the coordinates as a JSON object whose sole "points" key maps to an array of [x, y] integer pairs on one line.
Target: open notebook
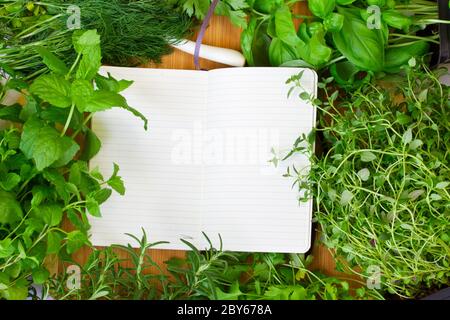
{"points": [[204, 164]]}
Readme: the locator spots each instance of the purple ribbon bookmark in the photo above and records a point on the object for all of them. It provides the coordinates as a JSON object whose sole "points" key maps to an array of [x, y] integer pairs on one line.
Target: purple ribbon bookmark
{"points": [[202, 31]]}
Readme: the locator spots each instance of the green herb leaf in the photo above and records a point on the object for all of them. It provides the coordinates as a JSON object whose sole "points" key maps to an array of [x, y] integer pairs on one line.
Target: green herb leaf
{"points": [[54, 240], [40, 275], [51, 214], [116, 182], [10, 209], [103, 100], [52, 62], [53, 89], [82, 92], [346, 197], [75, 240], [87, 43], [362, 46], [6, 247], [280, 52], [284, 27], [93, 206], [367, 156], [92, 145], [321, 8], [111, 84], [364, 174], [42, 143], [247, 41], [333, 22], [10, 181]]}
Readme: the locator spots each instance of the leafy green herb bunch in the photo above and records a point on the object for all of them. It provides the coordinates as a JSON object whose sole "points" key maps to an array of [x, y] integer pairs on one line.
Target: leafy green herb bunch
{"points": [[44, 174], [382, 185]]}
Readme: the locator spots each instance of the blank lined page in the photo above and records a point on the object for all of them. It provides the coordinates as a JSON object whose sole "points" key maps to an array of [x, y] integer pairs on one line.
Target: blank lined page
{"points": [[163, 186], [248, 201], [204, 163]]}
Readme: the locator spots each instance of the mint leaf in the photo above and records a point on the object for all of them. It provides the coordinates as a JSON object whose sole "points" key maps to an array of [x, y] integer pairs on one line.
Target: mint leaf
{"points": [[116, 182], [10, 181], [93, 206], [75, 240], [28, 109], [52, 62], [92, 145], [54, 240], [103, 100], [6, 249], [87, 43], [137, 114], [70, 149], [90, 64], [41, 143], [82, 91], [11, 113], [102, 195], [51, 214], [57, 180], [17, 292], [75, 173], [84, 40], [10, 209], [40, 275], [58, 115], [111, 84], [53, 89]]}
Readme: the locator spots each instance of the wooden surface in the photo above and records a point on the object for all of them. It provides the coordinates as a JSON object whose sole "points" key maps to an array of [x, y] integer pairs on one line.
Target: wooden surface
{"points": [[221, 33]]}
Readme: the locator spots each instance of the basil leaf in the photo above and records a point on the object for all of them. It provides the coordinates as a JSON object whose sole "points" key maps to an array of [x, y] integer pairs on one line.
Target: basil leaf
{"points": [[260, 46], [284, 27], [396, 20], [317, 52], [280, 52], [333, 22], [362, 46], [399, 56], [266, 6], [247, 40], [40, 275], [321, 8]]}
